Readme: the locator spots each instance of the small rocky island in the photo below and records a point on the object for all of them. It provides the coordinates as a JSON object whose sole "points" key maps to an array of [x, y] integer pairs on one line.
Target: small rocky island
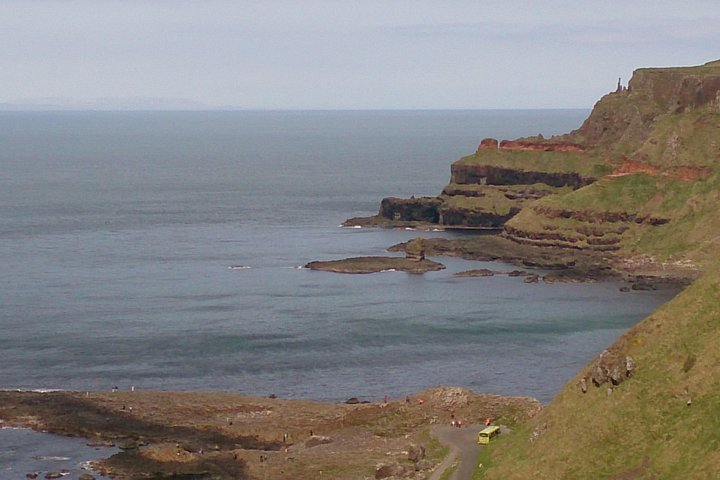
{"points": [[414, 261]]}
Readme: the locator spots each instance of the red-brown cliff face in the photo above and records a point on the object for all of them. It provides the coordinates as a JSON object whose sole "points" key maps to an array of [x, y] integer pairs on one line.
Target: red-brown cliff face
{"points": [[488, 144], [664, 125]]}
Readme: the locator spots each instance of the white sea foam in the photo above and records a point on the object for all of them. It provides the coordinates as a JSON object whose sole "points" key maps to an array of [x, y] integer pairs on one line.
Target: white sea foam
{"points": [[88, 465], [34, 390], [51, 458], [239, 267], [410, 229]]}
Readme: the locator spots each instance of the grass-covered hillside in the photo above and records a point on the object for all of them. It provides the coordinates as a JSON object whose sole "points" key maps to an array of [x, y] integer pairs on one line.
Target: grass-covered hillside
{"points": [[663, 422], [649, 406]]}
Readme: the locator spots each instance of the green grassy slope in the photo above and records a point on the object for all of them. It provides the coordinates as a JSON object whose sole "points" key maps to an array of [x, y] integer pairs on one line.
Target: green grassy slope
{"points": [[538, 161], [663, 422], [644, 428]]}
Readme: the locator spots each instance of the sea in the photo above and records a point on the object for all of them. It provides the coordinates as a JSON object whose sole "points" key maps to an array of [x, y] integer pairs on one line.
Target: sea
{"points": [[164, 251]]}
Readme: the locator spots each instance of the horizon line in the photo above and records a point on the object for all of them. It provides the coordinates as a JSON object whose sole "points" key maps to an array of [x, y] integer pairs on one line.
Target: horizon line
{"points": [[8, 107]]}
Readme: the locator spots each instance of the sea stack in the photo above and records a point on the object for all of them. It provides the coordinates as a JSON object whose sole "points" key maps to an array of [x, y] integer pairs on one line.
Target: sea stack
{"points": [[415, 250]]}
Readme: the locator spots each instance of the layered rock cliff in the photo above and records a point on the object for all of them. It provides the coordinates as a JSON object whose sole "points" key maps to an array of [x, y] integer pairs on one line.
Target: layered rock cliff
{"points": [[646, 407], [642, 167], [635, 187], [661, 138], [492, 185]]}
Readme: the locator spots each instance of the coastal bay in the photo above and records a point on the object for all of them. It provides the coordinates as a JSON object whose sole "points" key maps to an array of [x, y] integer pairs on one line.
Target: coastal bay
{"points": [[123, 236]]}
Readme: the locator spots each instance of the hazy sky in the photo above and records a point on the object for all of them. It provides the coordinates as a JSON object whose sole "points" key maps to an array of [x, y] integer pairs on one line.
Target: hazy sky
{"points": [[347, 54]]}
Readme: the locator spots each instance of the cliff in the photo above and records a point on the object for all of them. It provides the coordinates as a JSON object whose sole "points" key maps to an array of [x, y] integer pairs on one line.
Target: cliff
{"points": [[492, 185], [661, 138], [647, 406], [635, 187], [635, 178]]}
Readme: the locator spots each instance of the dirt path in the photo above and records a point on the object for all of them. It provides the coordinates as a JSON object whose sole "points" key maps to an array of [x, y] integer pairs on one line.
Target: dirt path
{"points": [[463, 448]]}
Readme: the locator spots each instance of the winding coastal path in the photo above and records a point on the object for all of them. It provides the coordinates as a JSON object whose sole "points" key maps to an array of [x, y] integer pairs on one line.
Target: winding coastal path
{"points": [[463, 449]]}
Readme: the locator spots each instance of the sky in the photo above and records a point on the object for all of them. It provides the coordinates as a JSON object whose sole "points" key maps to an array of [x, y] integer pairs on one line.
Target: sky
{"points": [[344, 54]]}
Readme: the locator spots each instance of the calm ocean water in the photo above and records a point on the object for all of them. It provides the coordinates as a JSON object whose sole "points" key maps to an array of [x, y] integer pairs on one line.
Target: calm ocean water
{"points": [[117, 231]]}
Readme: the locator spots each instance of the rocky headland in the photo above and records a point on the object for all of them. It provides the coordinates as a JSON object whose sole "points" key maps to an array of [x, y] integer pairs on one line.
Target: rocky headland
{"points": [[652, 214], [632, 193], [608, 199]]}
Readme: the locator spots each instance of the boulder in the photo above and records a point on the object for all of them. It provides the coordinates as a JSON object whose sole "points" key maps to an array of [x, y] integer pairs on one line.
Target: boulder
{"points": [[615, 374], [629, 366], [517, 273], [416, 452], [129, 445], [86, 476], [415, 249], [449, 398], [352, 401], [32, 474], [100, 442], [384, 470], [316, 440], [597, 375], [611, 367], [390, 470]]}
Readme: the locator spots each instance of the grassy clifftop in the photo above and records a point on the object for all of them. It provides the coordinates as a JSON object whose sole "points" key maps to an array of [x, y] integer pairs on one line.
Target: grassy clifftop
{"points": [[649, 406]]}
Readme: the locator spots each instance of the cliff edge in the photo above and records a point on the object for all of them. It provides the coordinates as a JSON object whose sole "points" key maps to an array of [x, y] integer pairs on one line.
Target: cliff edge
{"points": [[636, 187], [646, 407], [637, 180]]}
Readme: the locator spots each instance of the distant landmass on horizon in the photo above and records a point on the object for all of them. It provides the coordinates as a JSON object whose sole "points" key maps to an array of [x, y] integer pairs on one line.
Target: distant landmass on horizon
{"points": [[109, 103]]}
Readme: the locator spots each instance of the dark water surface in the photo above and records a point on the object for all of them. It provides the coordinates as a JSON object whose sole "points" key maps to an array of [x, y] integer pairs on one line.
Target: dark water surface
{"points": [[117, 231]]}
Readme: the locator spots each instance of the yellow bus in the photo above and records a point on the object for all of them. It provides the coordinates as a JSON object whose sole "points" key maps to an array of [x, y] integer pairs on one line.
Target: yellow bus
{"points": [[488, 434]]}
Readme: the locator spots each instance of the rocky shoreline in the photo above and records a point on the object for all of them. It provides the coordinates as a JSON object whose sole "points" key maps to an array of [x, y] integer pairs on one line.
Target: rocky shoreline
{"points": [[560, 265], [183, 435], [550, 264]]}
